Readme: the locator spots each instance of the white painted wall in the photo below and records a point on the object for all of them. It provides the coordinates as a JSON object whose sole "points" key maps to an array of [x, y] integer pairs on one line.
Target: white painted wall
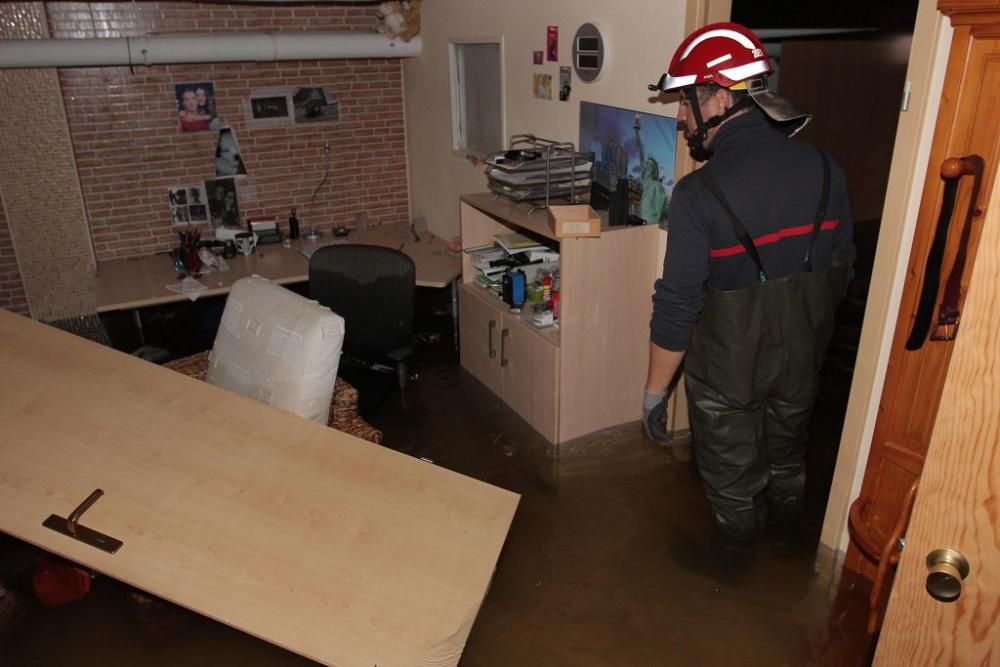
{"points": [[641, 34]]}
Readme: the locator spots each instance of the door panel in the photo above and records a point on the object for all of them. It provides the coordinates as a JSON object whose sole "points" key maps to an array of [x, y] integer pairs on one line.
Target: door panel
{"points": [[479, 333], [967, 124], [957, 506], [530, 371]]}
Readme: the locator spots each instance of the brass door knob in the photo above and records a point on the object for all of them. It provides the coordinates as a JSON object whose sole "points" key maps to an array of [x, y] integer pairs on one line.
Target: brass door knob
{"points": [[946, 568]]}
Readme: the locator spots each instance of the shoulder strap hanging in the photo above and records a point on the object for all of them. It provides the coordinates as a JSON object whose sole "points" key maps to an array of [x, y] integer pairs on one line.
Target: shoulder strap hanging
{"points": [[738, 228], [824, 200]]}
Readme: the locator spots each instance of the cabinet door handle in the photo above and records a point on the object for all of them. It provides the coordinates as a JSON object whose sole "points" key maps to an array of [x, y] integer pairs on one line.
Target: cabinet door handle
{"points": [[503, 347], [493, 345]]}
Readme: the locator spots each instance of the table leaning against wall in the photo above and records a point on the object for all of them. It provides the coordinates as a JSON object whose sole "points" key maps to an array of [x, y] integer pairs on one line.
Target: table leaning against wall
{"points": [[139, 282]]}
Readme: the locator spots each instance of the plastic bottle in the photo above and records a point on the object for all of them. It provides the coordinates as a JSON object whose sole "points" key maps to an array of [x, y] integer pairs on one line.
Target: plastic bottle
{"points": [[546, 290]]}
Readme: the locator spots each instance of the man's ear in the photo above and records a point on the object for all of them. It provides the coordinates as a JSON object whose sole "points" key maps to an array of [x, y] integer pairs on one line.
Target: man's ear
{"points": [[724, 98]]}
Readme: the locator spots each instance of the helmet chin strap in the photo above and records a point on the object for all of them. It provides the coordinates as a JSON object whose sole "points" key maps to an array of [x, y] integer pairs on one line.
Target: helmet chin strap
{"points": [[697, 139]]}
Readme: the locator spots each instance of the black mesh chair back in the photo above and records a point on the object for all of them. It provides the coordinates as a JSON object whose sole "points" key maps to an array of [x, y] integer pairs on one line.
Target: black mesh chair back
{"points": [[374, 289]]}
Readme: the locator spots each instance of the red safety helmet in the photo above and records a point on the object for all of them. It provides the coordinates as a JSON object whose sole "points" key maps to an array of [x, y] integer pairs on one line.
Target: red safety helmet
{"points": [[731, 56]]}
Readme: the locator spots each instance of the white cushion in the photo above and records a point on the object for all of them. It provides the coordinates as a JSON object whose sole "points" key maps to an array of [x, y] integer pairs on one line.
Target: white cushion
{"points": [[278, 347]]}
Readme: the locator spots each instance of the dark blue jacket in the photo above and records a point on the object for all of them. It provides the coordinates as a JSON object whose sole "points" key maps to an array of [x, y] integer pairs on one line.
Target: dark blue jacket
{"points": [[773, 184]]}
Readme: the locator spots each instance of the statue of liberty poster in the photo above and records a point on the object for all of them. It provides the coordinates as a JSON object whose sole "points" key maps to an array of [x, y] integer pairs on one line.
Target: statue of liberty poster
{"points": [[637, 148]]}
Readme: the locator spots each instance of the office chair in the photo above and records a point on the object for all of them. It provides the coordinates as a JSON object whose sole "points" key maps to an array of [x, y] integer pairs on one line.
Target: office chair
{"points": [[374, 289]]}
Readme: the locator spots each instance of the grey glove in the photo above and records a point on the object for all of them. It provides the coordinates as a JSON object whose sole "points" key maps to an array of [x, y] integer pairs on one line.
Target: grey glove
{"points": [[654, 417]]}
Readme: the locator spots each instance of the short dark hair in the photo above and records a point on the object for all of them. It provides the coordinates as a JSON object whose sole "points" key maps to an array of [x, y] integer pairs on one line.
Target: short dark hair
{"points": [[706, 90]]}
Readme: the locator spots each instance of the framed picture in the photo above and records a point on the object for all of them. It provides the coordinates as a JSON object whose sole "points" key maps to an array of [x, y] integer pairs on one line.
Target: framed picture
{"points": [[633, 150], [269, 107], [196, 106]]}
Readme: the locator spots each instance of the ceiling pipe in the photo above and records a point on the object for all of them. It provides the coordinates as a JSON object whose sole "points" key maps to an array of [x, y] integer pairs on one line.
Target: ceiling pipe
{"points": [[201, 48]]}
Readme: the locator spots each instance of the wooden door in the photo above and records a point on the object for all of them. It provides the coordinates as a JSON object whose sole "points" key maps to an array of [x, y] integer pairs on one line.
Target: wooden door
{"points": [[529, 367], [957, 505], [479, 331], [967, 124]]}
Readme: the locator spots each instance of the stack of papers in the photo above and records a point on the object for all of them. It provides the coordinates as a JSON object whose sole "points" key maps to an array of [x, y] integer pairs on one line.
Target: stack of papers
{"points": [[524, 175]]}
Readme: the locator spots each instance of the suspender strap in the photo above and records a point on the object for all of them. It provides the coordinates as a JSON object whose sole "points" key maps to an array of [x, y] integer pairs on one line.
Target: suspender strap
{"points": [[738, 228], [824, 200]]}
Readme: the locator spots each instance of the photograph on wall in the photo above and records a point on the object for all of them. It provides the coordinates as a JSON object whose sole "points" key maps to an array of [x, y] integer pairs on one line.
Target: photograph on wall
{"points": [[223, 207], [196, 106], [228, 161], [315, 105], [269, 107], [187, 205], [634, 152], [542, 86], [537, 57], [564, 86], [179, 215]]}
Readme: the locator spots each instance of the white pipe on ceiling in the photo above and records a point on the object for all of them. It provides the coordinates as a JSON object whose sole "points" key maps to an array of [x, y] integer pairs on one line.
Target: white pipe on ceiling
{"points": [[201, 48]]}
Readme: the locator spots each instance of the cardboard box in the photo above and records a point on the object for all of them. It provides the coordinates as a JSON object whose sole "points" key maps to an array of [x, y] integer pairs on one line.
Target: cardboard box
{"points": [[574, 220]]}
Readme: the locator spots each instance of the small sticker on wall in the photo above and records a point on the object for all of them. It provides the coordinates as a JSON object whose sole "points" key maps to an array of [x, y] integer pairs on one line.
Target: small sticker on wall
{"points": [[552, 44], [564, 86], [537, 57], [542, 86]]}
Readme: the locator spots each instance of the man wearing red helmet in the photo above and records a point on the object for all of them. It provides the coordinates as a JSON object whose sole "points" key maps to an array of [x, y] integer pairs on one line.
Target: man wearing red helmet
{"points": [[758, 256]]}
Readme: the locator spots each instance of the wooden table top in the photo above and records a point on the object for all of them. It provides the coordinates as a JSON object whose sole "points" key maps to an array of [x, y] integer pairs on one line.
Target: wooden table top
{"points": [[142, 281], [338, 549]]}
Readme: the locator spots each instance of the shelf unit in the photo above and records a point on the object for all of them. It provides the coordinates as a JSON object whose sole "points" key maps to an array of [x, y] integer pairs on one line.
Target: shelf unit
{"points": [[588, 374]]}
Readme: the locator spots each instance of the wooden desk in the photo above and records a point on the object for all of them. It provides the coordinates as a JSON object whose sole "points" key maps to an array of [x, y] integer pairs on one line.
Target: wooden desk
{"points": [[125, 284], [327, 545]]}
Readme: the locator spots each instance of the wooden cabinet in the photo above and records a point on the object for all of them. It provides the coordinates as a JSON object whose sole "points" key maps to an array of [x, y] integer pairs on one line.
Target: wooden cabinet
{"points": [[589, 373]]}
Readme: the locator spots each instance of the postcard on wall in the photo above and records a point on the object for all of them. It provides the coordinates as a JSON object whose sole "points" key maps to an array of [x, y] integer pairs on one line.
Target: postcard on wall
{"points": [[564, 87], [196, 106], [269, 107], [228, 160], [542, 86], [537, 57], [635, 151], [552, 43], [188, 205], [223, 207], [315, 105]]}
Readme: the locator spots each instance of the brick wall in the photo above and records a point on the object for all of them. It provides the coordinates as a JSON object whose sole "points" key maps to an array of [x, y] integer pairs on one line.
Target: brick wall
{"points": [[130, 149], [12, 295]]}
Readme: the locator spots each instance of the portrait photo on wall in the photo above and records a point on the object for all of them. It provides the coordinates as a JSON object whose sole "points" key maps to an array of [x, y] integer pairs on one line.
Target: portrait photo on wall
{"points": [[223, 207], [634, 152], [228, 161], [196, 106], [315, 105]]}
